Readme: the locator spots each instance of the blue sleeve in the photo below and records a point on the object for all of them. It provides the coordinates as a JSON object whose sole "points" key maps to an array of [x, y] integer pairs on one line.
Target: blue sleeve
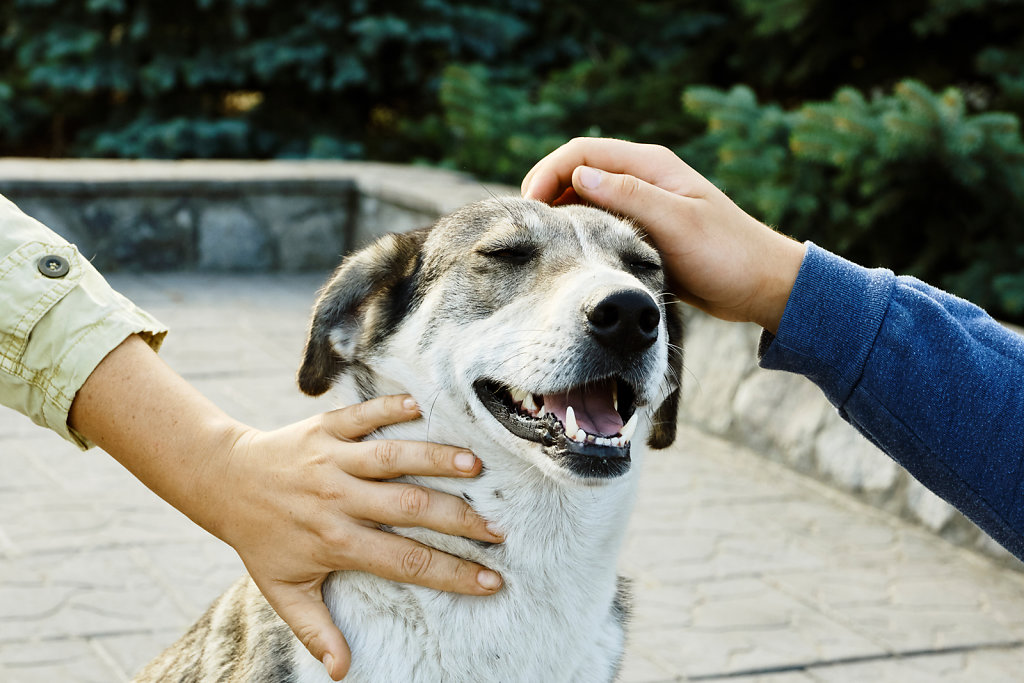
{"points": [[931, 379]]}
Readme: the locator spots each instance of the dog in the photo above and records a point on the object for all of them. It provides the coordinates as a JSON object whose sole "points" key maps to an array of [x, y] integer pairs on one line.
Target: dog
{"points": [[543, 340]]}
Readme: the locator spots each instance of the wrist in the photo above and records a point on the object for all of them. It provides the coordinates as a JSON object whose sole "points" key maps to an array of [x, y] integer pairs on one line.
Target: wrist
{"points": [[781, 265], [161, 429], [223, 443]]}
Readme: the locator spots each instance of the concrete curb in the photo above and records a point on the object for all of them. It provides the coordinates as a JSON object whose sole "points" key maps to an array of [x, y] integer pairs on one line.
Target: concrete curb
{"points": [[148, 215]]}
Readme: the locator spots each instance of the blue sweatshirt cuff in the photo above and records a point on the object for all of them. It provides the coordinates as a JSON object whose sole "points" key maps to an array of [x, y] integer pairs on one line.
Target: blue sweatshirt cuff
{"points": [[832, 318]]}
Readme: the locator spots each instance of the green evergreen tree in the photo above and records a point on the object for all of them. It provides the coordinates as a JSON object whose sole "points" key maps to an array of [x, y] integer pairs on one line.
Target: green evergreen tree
{"points": [[232, 77]]}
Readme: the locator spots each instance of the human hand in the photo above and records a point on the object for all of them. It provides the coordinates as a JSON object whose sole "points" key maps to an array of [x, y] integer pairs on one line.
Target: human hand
{"points": [[717, 257], [295, 503], [307, 499]]}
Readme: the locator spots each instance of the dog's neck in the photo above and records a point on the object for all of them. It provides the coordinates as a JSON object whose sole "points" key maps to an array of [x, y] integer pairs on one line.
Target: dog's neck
{"points": [[546, 523]]}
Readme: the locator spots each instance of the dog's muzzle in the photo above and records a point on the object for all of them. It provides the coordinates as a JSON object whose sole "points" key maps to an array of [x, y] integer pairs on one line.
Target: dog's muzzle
{"points": [[587, 428]]}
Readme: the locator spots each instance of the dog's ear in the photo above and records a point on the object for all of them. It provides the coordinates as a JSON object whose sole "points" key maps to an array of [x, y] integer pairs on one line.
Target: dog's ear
{"points": [[381, 278], [663, 428]]}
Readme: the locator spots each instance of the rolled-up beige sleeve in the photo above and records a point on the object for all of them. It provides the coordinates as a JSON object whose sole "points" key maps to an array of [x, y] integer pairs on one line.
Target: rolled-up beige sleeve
{"points": [[58, 319]]}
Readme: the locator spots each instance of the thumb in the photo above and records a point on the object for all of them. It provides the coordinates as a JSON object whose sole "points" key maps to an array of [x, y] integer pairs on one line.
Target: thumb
{"points": [[303, 609], [658, 210]]}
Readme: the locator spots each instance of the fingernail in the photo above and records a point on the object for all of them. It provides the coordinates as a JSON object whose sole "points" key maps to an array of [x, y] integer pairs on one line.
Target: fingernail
{"points": [[409, 404], [329, 664], [590, 178], [488, 579], [465, 462], [493, 530]]}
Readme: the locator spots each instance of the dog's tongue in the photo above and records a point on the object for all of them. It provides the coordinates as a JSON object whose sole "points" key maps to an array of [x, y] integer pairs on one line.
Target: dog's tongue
{"points": [[592, 404]]}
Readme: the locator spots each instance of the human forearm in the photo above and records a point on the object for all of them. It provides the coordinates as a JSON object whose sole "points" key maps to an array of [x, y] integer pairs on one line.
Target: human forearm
{"points": [[932, 380], [158, 427]]}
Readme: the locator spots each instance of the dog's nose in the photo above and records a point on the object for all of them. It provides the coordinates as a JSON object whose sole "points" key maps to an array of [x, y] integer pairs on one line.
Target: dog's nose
{"points": [[626, 320]]}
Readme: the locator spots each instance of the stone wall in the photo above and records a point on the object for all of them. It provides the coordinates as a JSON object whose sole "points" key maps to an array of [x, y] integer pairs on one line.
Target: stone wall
{"points": [[234, 216], [784, 417]]}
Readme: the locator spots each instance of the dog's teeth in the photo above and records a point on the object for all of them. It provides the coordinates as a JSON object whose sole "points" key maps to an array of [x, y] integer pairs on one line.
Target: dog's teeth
{"points": [[590, 438], [570, 422], [581, 435], [518, 395], [528, 403], [627, 432], [615, 396]]}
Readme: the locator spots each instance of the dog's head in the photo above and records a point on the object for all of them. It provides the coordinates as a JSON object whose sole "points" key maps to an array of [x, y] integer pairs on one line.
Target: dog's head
{"points": [[543, 329]]}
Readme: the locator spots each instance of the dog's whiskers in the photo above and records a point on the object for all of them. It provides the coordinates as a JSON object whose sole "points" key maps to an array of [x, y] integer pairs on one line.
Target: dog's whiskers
{"points": [[430, 411]]}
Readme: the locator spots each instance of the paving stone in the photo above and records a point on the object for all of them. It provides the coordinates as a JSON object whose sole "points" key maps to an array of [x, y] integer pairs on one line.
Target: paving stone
{"points": [[744, 625], [19, 474], [61, 660], [980, 666], [783, 677], [193, 574], [640, 666], [80, 594], [127, 654]]}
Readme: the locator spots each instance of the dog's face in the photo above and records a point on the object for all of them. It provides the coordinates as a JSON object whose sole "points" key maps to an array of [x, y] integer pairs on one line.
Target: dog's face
{"points": [[545, 329]]}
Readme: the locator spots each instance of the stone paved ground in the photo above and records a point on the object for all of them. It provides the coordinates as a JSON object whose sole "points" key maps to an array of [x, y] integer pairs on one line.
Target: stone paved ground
{"points": [[743, 571]]}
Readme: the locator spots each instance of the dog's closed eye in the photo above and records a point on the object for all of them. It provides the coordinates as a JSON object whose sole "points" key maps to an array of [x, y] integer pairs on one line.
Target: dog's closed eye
{"points": [[642, 265], [514, 253], [641, 260]]}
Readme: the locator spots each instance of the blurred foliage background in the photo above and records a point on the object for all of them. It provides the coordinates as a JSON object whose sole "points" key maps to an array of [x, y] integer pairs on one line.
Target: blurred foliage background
{"points": [[888, 132]]}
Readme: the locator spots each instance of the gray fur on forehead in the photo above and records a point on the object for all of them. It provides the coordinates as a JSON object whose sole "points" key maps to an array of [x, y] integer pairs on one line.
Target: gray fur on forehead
{"points": [[460, 231]]}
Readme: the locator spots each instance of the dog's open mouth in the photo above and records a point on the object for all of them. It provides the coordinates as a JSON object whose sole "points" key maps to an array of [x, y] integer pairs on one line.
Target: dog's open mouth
{"points": [[586, 428]]}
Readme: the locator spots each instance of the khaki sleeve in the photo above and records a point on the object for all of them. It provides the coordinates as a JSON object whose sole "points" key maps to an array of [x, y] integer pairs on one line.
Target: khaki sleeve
{"points": [[55, 326]]}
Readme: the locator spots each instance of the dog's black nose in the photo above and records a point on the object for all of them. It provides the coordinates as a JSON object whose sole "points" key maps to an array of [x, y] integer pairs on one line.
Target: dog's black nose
{"points": [[626, 320]]}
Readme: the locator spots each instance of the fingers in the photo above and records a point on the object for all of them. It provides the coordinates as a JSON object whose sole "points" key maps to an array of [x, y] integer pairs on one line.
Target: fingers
{"points": [[387, 459], [552, 175], [401, 559], [667, 217], [303, 609], [356, 421], [401, 504], [406, 505]]}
